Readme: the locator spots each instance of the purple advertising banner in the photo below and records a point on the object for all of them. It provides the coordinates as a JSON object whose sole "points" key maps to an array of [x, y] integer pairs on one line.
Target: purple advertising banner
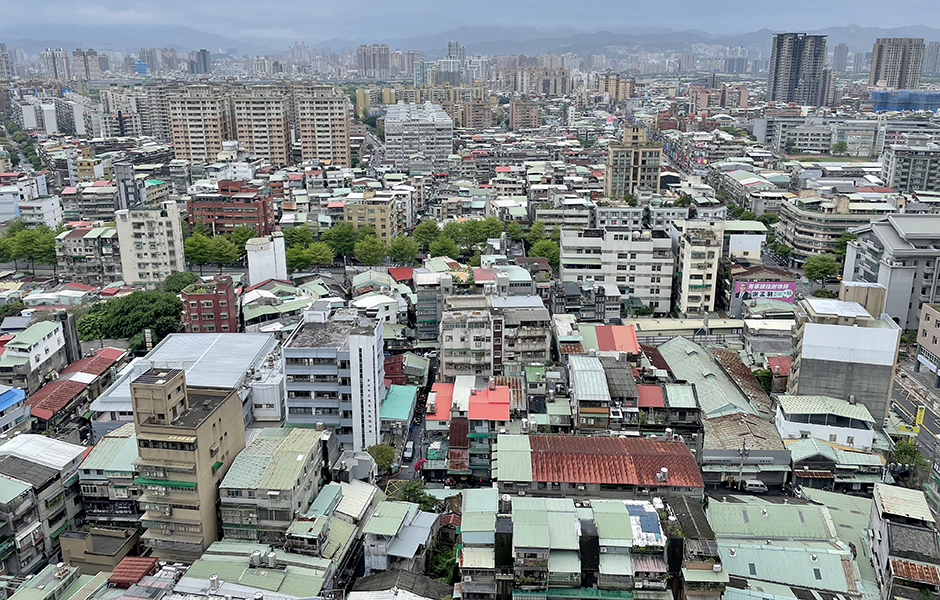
{"points": [[774, 290]]}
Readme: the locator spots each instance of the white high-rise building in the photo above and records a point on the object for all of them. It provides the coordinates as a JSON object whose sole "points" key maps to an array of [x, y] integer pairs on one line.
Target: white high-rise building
{"points": [[418, 129], [151, 241], [335, 367]]}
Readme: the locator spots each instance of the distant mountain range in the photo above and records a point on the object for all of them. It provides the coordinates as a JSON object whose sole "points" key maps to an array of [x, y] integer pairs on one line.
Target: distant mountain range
{"points": [[477, 39]]}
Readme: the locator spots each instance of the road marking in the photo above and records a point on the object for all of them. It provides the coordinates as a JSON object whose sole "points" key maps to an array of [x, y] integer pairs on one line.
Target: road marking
{"points": [[911, 415]]}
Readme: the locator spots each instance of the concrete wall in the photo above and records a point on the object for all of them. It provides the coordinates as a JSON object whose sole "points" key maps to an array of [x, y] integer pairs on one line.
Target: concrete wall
{"points": [[870, 384]]}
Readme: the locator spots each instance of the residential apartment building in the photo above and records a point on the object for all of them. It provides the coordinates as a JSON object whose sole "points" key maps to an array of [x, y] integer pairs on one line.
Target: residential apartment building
{"points": [[812, 225], [322, 126], [210, 306], [797, 61], [418, 129], [615, 86], [431, 288], [89, 255], [187, 439], [335, 374], [897, 63], [903, 542], [900, 252], [34, 356], [912, 166], [480, 334], [107, 477], [385, 214], [699, 252], [633, 163], [523, 115], [45, 210], [928, 346], [640, 263], [200, 118], [844, 352], [151, 239], [50, 467], [22, 550], [90, 201], [272, 480], [477, 115], [236, 204], [261, 114]]}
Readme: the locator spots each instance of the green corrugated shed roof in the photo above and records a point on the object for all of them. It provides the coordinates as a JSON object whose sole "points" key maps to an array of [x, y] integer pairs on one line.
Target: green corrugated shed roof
{"points": [[115, 452], [616, 564], [273, 461], [254, 311], [705, 575], [850, 515], [770, 521], [32, 334], [478, 521], [573, 594], [512, 458], [387, 518], [11, 488], [399, 402], [530, 529], [820, 565], [9, 360], [564, 561], [480, 500], [680, 396], [534, 373], [717, 394]]}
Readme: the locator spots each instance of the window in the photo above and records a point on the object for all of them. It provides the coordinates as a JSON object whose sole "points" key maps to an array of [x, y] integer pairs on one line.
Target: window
{"points": [[832, 437], [850, 440]]}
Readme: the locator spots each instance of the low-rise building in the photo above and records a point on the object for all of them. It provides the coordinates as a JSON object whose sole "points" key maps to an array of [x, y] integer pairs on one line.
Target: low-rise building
{"points": [[274, 478], [592, 467], [210, 306], [107, 474], [824, 418], [89, 255], [33, 356], [397, 535]]}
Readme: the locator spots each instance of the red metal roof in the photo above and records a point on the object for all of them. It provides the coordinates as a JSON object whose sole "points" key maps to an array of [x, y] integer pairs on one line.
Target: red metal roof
{"points": [[913, 571], [401, 274], [782, 361], [484, 274], [131, 570], [621, 338], [631, 461], [53, 397], [651, 396], [443, 399], [490, 404], [97, 364]]}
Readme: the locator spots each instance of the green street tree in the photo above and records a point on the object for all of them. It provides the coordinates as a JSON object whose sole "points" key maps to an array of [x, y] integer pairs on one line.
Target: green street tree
{"points": [[365, 231], [547, 249], [297, 259], [196, 250], [444, 246], [383, 455], [839, 148], [240, 236], [453, 230], [202, 229], [403, 249], [425, 233], [341, 237], [536, 233], [370, 251], [222, 252], [176, 282], [821, 266], [841, 244], [128, 316], [320, 253], [491, 227], [414, 491], [300, 236], [514, 230]]}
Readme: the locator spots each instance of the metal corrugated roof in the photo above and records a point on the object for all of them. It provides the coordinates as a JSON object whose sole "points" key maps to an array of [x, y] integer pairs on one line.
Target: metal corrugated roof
{"points": [[387, 518], [616, 564], [588, 380], [115, 452], [821, 405], [903, 502], [750, 520], [717, 393], [564, 561], [821, 566]]}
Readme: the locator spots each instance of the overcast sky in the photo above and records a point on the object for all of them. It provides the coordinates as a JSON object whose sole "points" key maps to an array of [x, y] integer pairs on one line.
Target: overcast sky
{"points": [[390, 19]]}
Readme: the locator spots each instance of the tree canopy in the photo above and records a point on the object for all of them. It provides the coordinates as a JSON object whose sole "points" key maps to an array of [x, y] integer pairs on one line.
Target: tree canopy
{"points": [[403, 249], [444, 246], [821, 266], [426, 232], [341, 237], [384, 456], [176, 282], [370, 250], [128, 316], [413, 491], [548, 249]]}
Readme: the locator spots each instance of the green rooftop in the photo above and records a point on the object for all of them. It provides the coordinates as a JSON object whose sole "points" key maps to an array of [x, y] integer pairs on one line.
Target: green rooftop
{"points": [[399, 403]]}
